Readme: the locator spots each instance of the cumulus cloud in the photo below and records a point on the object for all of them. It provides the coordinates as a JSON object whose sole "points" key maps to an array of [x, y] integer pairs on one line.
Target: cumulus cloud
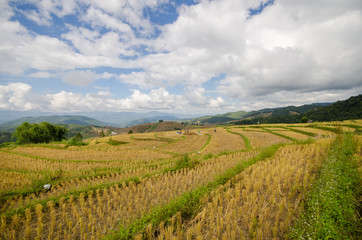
{"points": [[287, 47], [157, 99], [16, 96], [293, 52], [19, 96], [93, 44], [218, 102]]}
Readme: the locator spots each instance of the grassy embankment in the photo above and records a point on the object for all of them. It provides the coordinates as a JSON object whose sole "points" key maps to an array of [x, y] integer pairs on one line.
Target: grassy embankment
{"points": [[332, 210]]}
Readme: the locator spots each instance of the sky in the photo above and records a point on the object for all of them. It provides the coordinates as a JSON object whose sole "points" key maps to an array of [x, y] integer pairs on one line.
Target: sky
{"points": [[180, 56]]}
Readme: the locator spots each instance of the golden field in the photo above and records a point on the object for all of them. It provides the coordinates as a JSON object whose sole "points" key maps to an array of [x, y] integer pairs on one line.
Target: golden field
{"points": [[101, 188]]}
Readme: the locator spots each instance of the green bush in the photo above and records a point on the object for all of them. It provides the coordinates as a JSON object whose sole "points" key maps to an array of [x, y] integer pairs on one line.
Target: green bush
{"points": [[39, 133], [77, 140], [304, 120]]}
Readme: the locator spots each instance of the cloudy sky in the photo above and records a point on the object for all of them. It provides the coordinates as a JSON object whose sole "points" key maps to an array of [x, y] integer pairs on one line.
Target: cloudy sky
{"points": [[185, 56]]}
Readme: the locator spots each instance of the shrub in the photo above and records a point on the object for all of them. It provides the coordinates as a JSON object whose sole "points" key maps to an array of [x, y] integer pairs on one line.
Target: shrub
{"points": [[39, 133]]}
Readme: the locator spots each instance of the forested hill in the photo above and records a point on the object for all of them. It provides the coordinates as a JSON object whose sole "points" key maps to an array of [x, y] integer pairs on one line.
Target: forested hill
{"points": [[341, 110], [338, 111]]}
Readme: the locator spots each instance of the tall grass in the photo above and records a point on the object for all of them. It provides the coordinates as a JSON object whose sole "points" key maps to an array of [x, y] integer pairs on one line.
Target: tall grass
{"points": [[331, 211]]}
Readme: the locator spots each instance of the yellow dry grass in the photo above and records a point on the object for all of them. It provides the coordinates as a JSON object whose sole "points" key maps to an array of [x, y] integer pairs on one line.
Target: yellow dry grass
{"points": [[319, 132], [260, 203], [191, 143], [295, 135], [260, 138], [96, 213], [10, 180], [221, 140], [87, 154]]}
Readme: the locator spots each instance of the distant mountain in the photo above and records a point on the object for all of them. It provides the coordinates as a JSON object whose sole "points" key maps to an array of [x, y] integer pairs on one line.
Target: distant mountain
{"points": [[263, 113], [55, 119], [7, 115], [150, 120], [220, 118], [285, 111], [119, 119], [124, 119], [271, 115]]}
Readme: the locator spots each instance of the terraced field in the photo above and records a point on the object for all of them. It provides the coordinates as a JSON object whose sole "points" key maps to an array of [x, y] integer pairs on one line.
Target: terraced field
{"points": [[236, 182]]}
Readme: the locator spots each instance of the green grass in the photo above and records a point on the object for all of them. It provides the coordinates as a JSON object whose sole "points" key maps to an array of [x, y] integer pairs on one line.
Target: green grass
{"points": [[246, 140], [331, 210], [329, 129], [207, 142], [279, 134], [310, 134], [115, 142], [152, 127]]}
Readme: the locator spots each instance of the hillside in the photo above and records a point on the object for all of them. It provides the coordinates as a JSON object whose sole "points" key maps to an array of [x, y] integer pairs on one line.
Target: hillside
{"points": [[284, 111], [279, 113], [154, 119], [153, 127], [220, 118], [342, 110], [338, 111], [55, 119]]}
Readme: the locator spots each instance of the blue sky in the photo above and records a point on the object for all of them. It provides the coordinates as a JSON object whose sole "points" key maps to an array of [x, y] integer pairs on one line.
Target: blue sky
{"points": [[177, 56]]}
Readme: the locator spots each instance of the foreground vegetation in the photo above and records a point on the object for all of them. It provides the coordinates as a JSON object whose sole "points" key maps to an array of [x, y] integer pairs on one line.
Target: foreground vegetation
{"points": [[249, 182], [332, 210]]}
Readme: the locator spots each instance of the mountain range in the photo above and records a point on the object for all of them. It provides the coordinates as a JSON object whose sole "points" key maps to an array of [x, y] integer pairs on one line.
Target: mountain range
{"points": [[346, 109], [116, 119]]}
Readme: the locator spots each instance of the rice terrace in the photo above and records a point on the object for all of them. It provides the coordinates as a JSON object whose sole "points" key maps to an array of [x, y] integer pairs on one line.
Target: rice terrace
{"points": [[266, 181]]}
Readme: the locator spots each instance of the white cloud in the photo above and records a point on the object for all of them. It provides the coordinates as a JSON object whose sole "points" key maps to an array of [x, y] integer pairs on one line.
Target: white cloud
{"points": [[41, 75], [41, 19], [157, 99], [79, 78], [83, 77], [130, 12], [19, 96], [292, 52], [56, 7], [98, 18], [16, 96], [92, 43], [217, 103], [291, 46], [196, 95]]}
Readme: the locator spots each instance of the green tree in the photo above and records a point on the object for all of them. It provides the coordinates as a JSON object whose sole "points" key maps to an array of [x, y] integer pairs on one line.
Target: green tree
{"points": [[101, 134], [77, 140], [39, 133], [304, 119]]}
